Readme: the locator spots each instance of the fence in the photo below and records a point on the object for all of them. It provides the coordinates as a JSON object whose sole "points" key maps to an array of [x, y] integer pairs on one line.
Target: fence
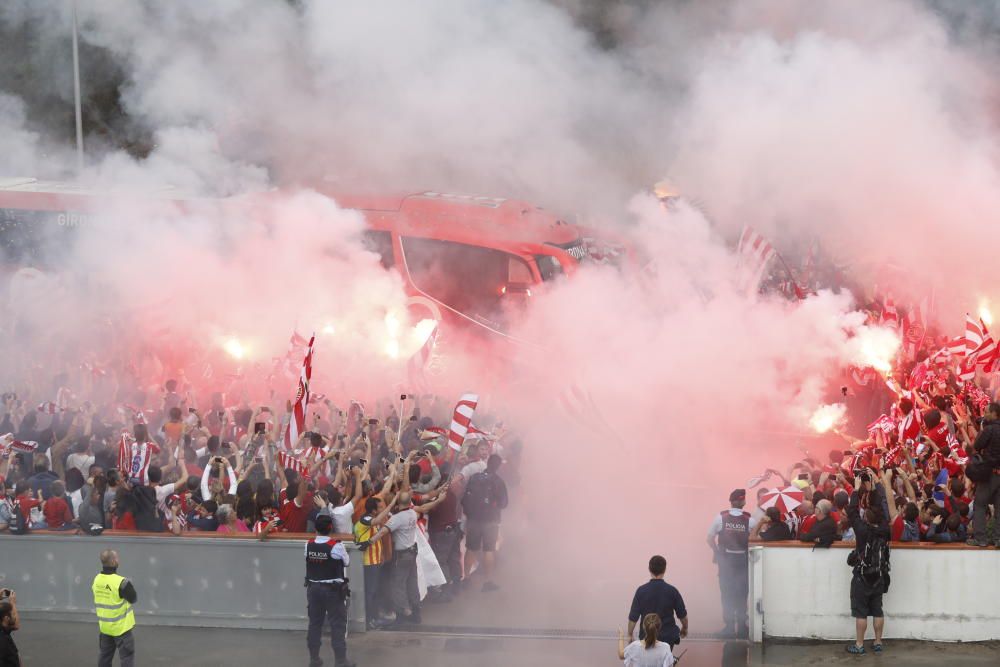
{"points": [[205, 579]]}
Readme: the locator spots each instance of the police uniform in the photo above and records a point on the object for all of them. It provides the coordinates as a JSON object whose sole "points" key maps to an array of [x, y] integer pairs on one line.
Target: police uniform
{"points": [[326, 596], [114, 596], [733, 528]]}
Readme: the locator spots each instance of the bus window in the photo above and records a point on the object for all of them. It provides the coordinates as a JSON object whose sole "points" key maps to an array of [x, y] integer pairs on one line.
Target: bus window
{"points": [[549, 267], [471, 279], [379, 243]]}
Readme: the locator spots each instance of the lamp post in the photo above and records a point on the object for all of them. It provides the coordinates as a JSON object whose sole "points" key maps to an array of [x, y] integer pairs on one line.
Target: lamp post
{"points": [[76, 95]]}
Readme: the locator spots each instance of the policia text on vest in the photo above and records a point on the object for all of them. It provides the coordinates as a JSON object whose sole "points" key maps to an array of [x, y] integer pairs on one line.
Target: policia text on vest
{"points": [[114, 596], [326, 593], [732, 529]]}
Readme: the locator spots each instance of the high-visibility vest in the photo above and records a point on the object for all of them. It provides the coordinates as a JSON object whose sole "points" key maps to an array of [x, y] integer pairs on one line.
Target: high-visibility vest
{"points": [[114, 613]]}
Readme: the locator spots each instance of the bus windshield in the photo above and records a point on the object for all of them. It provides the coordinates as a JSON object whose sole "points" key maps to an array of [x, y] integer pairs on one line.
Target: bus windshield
{"points": [[485, 284]]}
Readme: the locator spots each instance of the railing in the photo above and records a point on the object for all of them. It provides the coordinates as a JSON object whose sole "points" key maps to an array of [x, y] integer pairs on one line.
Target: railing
{"points": [[196, 579], [939, 592]]}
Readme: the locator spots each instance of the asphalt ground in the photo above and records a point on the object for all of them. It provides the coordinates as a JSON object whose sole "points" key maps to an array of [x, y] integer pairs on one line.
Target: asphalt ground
{"points": [[67, 643]]}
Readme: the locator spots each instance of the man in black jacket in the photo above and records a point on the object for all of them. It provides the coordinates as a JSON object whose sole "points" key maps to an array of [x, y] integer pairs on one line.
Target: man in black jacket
{"points": [[484, 498], [823, 533], [9, 622], [987, 445], [868, 584]]}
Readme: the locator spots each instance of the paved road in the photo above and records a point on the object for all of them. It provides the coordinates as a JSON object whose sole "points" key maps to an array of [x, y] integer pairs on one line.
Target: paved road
{"points": [[61, 643]]}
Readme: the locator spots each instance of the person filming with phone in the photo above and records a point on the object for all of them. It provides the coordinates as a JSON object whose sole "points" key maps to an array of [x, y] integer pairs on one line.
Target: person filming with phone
{"points": [[869, 560]]}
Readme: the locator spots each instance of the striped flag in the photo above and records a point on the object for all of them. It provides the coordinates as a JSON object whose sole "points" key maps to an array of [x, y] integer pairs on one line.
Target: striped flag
{"points": [[889, 315], [8, 442], [884, 423], [461, 420], [980, 350], [973, 335], [297, 423], [289, 462], [754, 252], [914, 329]]}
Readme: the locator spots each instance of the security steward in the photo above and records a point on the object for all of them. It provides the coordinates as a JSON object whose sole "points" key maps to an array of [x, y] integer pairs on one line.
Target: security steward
{"points": [[327, 592], [732, 529], [114, 596]]}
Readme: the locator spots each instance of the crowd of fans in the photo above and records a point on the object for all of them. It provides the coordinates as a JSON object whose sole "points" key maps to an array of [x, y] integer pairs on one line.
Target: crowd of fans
{"points": [[930, 458], [173, 465]]}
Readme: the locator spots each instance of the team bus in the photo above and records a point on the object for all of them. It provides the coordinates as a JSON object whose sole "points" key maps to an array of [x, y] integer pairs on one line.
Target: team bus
{"points": [[469, 262]]}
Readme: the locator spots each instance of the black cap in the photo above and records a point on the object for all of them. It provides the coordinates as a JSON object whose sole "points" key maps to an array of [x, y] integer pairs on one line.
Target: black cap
{"points": [[738, 494]]}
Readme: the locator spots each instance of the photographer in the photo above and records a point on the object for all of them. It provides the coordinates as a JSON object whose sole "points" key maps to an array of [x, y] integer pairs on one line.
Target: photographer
{"points": [[9, 622], [985, 472], [869, 560]]}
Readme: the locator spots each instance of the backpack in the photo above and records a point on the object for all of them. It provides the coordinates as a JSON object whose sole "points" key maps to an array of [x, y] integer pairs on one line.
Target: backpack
{"points": [[18, 524], [478, 500], [978, 469], [872, 564]]}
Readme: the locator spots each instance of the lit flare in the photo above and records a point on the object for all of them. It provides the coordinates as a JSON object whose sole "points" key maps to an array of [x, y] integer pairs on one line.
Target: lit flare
{"points": [[827, 417], [234, 348]]}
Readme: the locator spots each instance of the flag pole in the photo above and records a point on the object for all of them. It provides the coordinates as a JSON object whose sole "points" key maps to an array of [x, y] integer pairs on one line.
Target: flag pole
{"points": [[791, 276]]}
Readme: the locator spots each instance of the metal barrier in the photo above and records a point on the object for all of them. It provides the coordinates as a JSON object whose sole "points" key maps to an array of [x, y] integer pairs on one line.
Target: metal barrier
{"points": [[200, 579]]}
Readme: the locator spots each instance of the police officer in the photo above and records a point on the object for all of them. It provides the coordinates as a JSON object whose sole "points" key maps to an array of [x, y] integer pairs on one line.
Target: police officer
{"points": [[114, 596], [732, 528], [326, 592]]}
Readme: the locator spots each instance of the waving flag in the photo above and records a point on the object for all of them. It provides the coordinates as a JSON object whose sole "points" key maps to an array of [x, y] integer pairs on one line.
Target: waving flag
{"points": [[461, 420], [289, 462], [914, 330], [754, 252], [973, 335], [8, 442], [297, 424], [981, 350], [889, 315], [884, 423]]}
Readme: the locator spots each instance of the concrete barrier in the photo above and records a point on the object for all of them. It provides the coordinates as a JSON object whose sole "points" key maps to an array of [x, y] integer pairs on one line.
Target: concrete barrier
{"points": [[938, 593], [196, 580]]}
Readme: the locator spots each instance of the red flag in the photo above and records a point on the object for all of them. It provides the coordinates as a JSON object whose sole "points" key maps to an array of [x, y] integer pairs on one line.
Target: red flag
{"points": [[297, 423], [461, 420]]}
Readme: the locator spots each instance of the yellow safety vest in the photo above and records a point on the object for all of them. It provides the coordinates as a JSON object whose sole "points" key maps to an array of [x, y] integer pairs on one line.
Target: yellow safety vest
{"points": [[114, 613]]}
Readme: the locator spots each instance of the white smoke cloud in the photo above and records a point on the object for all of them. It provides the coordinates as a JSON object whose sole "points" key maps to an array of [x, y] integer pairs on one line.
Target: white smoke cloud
{"points": [[869, 127]]}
